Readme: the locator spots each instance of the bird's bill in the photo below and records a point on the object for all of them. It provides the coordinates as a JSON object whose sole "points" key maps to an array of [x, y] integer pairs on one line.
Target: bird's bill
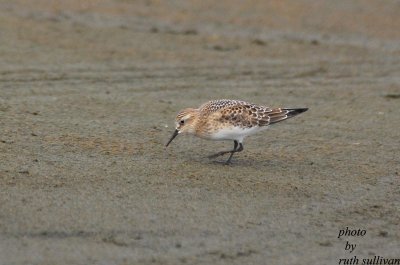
{"points": [[176, 132]]}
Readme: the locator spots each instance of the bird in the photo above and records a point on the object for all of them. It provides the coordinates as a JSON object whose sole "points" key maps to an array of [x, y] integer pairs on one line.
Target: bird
{"points": [[227, 119]]}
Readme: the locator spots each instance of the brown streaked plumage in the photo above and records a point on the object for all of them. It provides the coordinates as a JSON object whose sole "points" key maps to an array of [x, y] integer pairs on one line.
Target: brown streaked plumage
{"points": [[227, 119]]}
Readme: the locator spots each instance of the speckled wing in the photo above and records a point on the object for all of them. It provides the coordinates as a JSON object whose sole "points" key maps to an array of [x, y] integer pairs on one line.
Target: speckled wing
{"points": [[215, 105], [280, 114], [239, 113], [243, 114], [247, 115]]}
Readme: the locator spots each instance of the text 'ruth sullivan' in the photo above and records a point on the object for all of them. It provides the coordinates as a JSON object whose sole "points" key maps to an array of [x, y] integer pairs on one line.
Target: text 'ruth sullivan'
{"points": [[376, 260], [350, 246]]}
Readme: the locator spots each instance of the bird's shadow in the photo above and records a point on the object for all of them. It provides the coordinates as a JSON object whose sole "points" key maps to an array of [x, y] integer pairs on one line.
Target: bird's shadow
{"points": [[238, 161]]}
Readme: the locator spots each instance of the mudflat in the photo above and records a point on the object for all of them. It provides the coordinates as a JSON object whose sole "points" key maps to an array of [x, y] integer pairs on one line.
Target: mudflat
{"points": [[88, 95]]}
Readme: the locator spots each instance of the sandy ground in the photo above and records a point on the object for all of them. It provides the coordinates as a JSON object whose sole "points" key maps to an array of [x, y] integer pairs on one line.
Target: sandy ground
{"points": [[89, 91]]}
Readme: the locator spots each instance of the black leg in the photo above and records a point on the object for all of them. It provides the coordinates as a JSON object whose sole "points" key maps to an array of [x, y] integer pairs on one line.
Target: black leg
{"points": [[234, 151], [225, 152]]}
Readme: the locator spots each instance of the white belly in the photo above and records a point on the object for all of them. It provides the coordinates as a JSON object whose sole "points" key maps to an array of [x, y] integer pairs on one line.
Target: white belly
{"points": [[235, 133]]}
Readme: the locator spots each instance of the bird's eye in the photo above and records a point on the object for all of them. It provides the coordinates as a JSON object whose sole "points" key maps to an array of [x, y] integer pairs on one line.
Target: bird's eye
{"points": [[182, 122]]}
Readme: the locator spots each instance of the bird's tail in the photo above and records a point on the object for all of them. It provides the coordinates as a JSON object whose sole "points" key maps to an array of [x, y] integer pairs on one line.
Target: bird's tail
{"points": [[278, 115]]}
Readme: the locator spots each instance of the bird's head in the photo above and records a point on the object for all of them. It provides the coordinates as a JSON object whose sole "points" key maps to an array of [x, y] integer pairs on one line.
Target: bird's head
{"points": [[184, 123]]}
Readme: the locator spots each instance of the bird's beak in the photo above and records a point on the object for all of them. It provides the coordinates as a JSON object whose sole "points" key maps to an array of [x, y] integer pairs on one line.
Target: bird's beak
{"points": [[176, 132]]}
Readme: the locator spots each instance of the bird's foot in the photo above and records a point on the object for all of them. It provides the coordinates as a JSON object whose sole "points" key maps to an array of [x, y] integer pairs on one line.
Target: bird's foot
{"points": [[228, 162]]}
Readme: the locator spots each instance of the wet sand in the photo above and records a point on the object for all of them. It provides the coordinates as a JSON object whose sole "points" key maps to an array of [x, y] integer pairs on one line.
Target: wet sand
{"points": [[89, 91]]}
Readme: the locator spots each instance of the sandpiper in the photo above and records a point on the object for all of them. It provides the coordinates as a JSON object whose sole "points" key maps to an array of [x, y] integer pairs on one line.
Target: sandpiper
{"points": [[227, 119]]}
